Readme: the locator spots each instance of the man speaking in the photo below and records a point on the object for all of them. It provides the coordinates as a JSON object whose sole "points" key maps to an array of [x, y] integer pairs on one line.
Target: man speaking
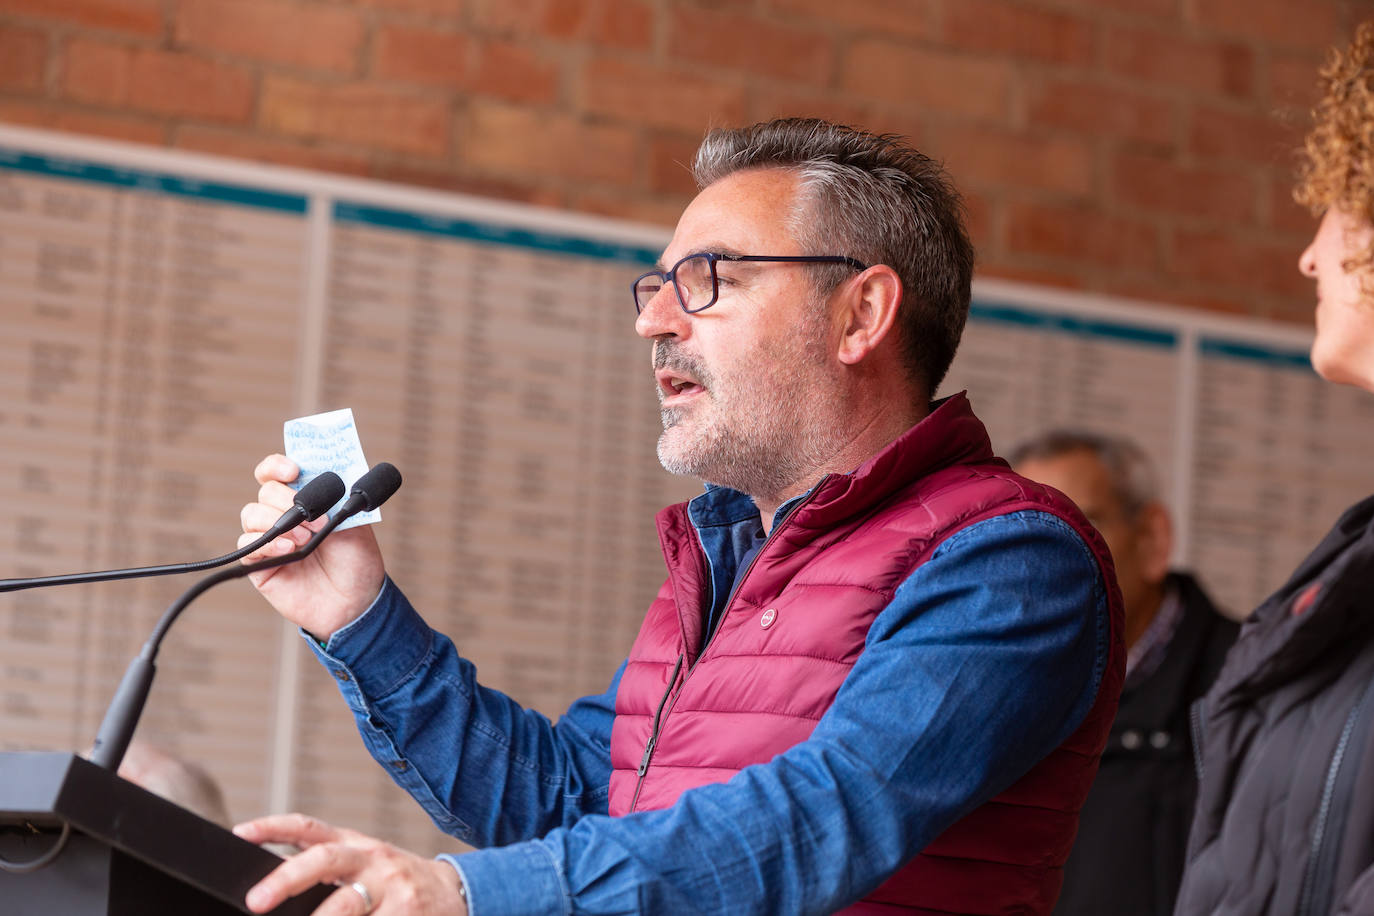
{"points": [[882, 668]]}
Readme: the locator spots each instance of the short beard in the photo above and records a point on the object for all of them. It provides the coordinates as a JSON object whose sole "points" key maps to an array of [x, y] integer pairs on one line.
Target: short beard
{"points": [[763, 442]]}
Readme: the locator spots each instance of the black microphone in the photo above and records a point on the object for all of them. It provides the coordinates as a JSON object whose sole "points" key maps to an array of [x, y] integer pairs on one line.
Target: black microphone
{"points": [[312, 501], [121, 718], [372, 489]]}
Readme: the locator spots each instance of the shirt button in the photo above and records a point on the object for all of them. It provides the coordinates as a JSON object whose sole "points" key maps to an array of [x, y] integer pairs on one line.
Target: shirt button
{"points": [[1160, 740], [342, 675], [1131, 739], [768, 617]]}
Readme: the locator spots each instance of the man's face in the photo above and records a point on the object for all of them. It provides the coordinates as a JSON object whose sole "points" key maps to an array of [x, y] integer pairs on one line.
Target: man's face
{"points": [[1343, 350], [746, 386], [1080, 476]]}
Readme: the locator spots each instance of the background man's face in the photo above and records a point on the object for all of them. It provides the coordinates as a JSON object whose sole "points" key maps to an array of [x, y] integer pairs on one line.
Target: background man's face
{"points": [[1080, 476]]}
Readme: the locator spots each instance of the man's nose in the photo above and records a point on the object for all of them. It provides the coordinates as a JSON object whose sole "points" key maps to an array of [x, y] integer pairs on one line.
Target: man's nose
{"points": [[662, 316]]}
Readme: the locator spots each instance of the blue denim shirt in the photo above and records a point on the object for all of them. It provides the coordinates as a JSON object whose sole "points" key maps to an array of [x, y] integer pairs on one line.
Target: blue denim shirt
{"points": [[987, 658]]}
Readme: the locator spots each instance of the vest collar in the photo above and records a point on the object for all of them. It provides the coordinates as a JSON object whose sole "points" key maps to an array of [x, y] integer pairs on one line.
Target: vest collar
{"points": [[950, 434]]}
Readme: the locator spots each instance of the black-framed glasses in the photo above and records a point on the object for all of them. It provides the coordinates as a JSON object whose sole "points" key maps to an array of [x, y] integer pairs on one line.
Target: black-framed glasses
{"points": [[696, 284]]}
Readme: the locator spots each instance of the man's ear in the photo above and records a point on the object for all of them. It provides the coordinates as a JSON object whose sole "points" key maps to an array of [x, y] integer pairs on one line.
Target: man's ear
{"points": [[869, 305]]}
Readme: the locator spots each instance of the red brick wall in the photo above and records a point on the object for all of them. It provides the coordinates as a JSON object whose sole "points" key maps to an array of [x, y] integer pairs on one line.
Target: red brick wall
{"points": [[1135, 147]]}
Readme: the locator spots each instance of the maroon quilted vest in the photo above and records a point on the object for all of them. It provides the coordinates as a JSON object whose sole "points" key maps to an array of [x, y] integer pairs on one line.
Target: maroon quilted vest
{"points": [[857, 536]]}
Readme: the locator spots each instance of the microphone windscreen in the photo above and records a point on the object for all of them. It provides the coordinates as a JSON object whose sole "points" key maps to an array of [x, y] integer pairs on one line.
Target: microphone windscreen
{"points": [[377, 485], [322, 492]]}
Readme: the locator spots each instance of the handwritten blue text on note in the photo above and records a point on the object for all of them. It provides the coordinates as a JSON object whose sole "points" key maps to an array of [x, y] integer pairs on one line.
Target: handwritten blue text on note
{"points": [[328, 442]]}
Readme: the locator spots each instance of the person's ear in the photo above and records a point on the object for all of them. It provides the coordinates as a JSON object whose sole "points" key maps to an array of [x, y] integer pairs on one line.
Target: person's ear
{"points": [[868, 304], [1155, 537]]}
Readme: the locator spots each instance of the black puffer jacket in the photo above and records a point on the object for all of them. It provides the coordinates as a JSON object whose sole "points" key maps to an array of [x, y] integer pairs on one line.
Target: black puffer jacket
{"points": [[1285, 817]]}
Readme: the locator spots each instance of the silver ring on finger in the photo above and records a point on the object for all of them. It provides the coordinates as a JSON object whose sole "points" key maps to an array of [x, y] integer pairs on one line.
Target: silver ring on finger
{"points": [[362, 892]]}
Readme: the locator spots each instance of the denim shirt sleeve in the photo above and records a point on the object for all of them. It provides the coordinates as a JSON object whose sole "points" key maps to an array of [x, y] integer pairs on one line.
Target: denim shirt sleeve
{"points": [[988, 657], [485, 769]]}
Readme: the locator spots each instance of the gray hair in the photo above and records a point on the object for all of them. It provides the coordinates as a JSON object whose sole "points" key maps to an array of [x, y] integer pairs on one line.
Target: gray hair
{"points": [[872, 198], [1129, 469]]}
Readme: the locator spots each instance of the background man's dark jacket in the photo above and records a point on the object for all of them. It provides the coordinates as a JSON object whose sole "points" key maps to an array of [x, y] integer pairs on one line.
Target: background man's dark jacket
{"points": [[1133, 829]]}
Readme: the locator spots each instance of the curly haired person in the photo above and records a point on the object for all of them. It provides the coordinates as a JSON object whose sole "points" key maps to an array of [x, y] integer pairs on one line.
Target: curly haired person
{"points": [[1285, 816]]}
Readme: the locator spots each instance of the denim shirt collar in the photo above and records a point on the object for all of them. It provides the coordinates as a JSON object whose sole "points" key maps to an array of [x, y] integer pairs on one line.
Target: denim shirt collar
{"points": [[726, 522]]}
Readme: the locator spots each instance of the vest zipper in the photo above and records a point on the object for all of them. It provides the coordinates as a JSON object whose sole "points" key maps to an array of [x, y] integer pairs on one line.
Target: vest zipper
{"points": [[658, 713], [653, 733], [1319, 860]]}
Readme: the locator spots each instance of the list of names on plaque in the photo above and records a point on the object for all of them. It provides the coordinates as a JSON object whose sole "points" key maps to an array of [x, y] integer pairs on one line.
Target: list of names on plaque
{"points": [[1279, 454], [152, 360], [1029, 370]]}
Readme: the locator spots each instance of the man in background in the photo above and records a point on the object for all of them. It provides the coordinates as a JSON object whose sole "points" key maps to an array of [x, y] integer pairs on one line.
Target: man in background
{"points": [[1133, 831]]}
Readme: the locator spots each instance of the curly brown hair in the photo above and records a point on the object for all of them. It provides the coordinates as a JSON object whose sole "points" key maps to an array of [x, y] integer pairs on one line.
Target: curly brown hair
{"points": [[1338, 162]]}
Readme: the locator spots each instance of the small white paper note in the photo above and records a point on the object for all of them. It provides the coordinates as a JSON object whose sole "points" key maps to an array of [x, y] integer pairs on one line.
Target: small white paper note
{"points": [[329, 442]]}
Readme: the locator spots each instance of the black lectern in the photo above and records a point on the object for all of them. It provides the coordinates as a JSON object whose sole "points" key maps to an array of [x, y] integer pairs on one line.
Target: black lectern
{"points": [[124, 851]]}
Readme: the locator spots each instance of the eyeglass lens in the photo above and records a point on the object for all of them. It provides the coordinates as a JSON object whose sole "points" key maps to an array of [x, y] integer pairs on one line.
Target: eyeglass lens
{"points": [[695, 282], [693, 278], [646, 288]]}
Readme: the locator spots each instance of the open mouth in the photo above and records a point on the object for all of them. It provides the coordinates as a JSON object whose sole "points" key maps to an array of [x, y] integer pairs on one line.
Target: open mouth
{"points": [[673, 385], [679, 376]]}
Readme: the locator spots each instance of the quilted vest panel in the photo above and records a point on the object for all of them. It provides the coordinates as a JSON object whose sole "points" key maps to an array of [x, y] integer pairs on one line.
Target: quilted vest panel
{"points": [[823, 577]]}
